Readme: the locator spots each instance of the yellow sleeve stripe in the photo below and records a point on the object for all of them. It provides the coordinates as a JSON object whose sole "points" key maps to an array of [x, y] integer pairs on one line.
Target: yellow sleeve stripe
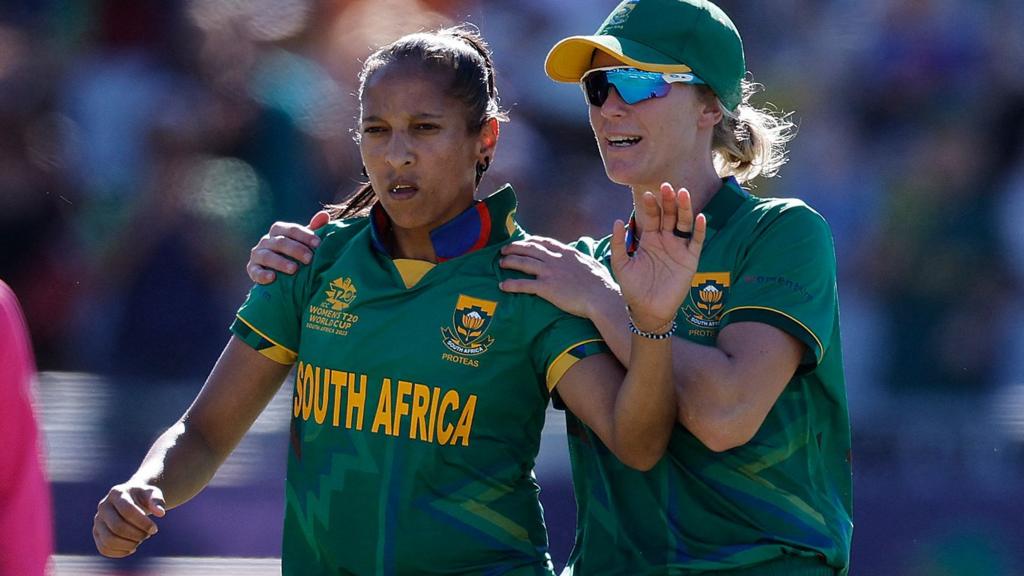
{"points": [[563, 362], [781, 313], [280, 354]]}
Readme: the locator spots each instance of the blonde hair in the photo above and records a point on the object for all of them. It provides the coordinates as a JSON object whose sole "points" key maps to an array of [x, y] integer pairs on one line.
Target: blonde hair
{"points": [[749, 141]]}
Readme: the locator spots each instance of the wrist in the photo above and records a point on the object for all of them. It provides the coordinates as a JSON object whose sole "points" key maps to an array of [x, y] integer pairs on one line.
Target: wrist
{"points": [[650, 326], [602, 303]]}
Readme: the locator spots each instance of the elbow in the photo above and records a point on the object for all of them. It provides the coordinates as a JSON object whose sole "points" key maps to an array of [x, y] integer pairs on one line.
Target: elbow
{"points": [[643, 457], [722, 433]]}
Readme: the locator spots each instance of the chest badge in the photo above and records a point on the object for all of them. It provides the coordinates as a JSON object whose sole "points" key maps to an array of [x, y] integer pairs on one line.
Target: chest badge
{"points": [[468, 333], [708, 293]]}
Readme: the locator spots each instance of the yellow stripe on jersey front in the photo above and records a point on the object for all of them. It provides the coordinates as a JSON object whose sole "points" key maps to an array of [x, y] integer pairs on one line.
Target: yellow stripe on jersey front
{"points": [[412, 271], [563, 362]]}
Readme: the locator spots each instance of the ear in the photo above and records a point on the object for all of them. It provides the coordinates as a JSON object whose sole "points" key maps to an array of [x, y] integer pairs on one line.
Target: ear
{"points": [[710, 113], [488, 138]]}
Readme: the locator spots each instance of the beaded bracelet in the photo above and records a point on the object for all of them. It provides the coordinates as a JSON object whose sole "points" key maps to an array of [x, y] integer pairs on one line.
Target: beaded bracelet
{"points": [[651, 335]]}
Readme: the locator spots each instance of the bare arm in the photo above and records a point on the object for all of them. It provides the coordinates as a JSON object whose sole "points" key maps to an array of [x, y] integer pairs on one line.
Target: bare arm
{"points": [[724, 392], [634, 413], [185, 457]]}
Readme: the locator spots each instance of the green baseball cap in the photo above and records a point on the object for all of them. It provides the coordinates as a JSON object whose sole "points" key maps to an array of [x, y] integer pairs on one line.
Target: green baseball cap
{"points": [[661, 36]]}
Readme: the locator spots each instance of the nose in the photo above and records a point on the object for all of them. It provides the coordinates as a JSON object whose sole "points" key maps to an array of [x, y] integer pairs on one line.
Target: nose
{"points": [[614, 106], [399, 153]]}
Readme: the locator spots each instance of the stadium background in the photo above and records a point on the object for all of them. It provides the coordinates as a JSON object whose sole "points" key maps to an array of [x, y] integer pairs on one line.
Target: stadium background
{"points": [[146, 144]]}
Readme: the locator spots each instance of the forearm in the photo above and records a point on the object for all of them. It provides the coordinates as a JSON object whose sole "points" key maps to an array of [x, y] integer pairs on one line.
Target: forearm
{"points": [[706, 399], [644, 410], [180, 463]]}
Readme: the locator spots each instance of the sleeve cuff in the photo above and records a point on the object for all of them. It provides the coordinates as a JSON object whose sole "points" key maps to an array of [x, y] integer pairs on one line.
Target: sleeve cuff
{"points": [[262, 343], [782, 321], [571, 355]]}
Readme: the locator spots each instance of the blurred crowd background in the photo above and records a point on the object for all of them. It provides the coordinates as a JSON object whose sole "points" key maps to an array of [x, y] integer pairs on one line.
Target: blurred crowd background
{"points": [[145, 145]]}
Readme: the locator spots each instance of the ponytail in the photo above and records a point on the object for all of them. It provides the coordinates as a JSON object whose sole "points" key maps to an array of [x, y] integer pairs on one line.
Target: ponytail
{"points": [[750, 142]]}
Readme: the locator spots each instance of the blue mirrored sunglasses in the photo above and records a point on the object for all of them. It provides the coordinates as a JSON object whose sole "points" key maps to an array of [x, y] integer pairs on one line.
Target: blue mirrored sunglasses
{"points": [[632, 84]]}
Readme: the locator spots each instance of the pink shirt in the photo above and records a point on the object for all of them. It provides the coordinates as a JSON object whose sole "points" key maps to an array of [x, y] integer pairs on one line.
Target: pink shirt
{"points": [[26, 537]]}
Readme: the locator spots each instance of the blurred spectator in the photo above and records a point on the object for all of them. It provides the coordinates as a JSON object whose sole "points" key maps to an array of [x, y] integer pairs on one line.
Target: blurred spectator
{"points": [[26, 538]]}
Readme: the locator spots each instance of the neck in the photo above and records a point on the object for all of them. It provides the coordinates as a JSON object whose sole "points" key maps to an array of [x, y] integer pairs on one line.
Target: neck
{"points": [[701, 183], [413, 244]]}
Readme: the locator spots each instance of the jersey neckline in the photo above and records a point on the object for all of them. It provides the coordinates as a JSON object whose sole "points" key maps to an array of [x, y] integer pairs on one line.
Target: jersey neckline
{"points": [[485, 223], [718, 210]]}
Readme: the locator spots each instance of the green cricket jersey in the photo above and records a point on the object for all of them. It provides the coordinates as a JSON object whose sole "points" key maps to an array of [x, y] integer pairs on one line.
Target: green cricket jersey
{"points": [[786, 493], [419, 398]]}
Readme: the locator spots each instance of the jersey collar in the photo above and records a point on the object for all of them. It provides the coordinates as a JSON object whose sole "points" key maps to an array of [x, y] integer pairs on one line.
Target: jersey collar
{"points": [[486, 222], [718, 210]]}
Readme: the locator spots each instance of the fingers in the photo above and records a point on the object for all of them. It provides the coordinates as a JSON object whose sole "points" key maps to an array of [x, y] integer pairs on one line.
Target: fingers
{"points": [[129, 512], [683, 220], [259, 275], [669, 206], [530, 266], [618, 244], [319, 220], [700, 230], [651, 221], [121, 523], [286, 246], [520, 286], [111, 545], [296, 232], [152, 501], [532, 248]]}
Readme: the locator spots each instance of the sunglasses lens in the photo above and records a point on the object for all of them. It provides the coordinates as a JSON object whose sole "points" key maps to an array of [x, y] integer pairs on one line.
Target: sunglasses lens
{"points": [[635, 88], [595, 84], [632, 85]]}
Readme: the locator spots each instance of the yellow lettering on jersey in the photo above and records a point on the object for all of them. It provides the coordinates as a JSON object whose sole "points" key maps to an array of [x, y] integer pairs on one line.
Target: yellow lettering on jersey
{"points": [[433, 413], [300, 389], [307, 396], [320, 395], [382, 419], [339, 379], [356, 401], [460, 359], [401, 405], [465, 425], [445, 431], [420, 404], [416, 411]]}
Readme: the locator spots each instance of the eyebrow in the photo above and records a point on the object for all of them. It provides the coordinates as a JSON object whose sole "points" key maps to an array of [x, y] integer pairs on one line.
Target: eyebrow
{"points": [[417, 116]]}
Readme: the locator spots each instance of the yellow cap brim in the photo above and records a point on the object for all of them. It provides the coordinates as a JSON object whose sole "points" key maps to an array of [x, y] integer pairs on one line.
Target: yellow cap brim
{"points": [[570, 58]]}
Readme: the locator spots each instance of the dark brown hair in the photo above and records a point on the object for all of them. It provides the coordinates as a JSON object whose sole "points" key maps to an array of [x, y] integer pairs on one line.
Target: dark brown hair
{"points": [[459, 54]]}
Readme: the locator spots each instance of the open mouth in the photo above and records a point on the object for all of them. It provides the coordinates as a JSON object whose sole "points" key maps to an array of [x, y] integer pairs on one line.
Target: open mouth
{"points": [[401, 191], [623, 141]]}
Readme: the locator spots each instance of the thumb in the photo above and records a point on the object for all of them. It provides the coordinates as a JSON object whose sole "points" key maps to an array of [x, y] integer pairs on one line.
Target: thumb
{"points": [[319, 220], [152, 501]]}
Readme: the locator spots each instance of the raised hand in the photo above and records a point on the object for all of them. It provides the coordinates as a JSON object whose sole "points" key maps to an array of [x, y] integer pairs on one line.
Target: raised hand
{"points": [[284, 245], [656, 278], [122, 518]]}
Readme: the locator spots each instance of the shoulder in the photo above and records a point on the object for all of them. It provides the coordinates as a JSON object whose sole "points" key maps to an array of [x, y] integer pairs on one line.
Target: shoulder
{"points": [[594, 247], [336, 235], [786, 217]]}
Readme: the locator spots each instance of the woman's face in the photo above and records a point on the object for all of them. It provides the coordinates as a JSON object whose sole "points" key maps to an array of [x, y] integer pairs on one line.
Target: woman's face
{"points": [[419, 155], [652, 141]]}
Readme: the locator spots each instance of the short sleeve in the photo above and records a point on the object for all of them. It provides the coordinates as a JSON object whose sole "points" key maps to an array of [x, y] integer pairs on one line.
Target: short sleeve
{"points": [[564, 342], [787, 279], [270, 320]]}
